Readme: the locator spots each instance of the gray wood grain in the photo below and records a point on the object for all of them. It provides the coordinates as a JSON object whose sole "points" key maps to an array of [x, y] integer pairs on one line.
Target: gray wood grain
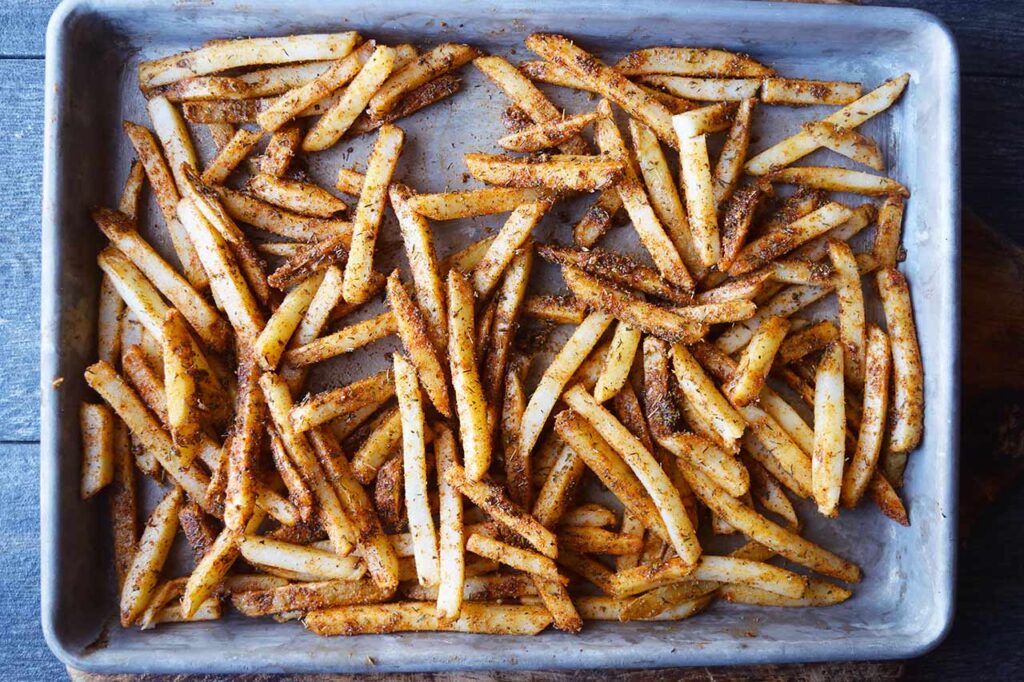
{"points": [[21, 133]]}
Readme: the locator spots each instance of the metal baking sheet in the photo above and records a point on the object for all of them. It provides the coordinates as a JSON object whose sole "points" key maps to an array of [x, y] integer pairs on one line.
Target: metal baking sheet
{"points": [[903, 606]]}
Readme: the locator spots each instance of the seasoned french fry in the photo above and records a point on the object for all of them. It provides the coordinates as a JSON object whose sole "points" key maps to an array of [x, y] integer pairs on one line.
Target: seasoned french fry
{"points": [[421, 522], [306, 596], [470, 401], [756, 361], [590, 515], [520, 559], [738, 216], [801, 272], [907, 421], [721, 467], [419, 98], [839, 180], [280, 150], [701, 392], [135, 290], [132, 190], [852, 333], [818, 593], [558, 488], [123, 503], [258, 213], [607, 81], [97, 424], [598, 218], [174, 137], [599, 541], [509, 303], [557, 375], [109, 308], [688, 61], [232, 154], [546, 135], [729, 166], [706, 89], [318, 563], [620, 269], [452, 538], [185, 415], [557, 309], [557, 172], [829, 431], [873, 418], [323, 407], [272, 341], [618, 362], [344, 341], [807, 341], [774, 244], [652, 604], [698, 190], [886, 247], [300, 197], [298, 492], [493, 500], [153, 548], [427, 67], [412, 329], [211, 569], [847, 142], [369, 212], [558, 602], [793, 91], [476, 617], [229, 54], [852, 115]]}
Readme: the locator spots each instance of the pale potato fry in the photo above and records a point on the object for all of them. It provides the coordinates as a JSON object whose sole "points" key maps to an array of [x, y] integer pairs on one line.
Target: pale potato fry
{"points": [[618, 362], [546, 135], [801, 272], [300, 197], [471, 202], [611, 608], [688, 61], [557, 375], [645, 221], [452, 536], [593, 540], [852, 334], [258, 213], [756, 361], [729, 166], [907, 421], [296, 100], [230, 155], [317, 315], [211, 569], [412, 329], [465, 259], [492, 499], [695, 171], [509, 303], [470, 401], [229, 54], [873, 418], [520, 559], [174, 137], [724, 469], [590, 515], [330, 127], [320, 408], [829, 431], [839, 180], [419, 248], [852, 115], [427, 67], [132, 190], [702, 393], [770, 246], [140, 297], [630, 308], [806, 341], [647, 470], [226, 281], [806, 92], [706, 89], [153, 548], [555, 172], [557, 309], [733, 570], [109, 309], [477, 617], [97, 426], [421, 522], [818, 593], [607, 81], [369, 212], [272, 341], [316, 563], [526, 97], [344, 341], [886, 247], [847, 142], [509, 239], [281, 250]]}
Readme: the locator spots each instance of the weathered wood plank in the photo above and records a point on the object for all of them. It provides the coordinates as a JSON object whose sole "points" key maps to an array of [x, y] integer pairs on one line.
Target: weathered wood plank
{"points": [[23, 27], [21, 129], [23, 653]]}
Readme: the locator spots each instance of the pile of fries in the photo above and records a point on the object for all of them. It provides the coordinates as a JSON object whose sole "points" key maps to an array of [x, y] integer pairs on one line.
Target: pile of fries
{"points": [[443, 493]]}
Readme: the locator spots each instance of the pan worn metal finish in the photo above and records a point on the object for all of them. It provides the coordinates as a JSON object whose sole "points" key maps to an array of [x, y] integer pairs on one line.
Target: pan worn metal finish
{"points": [[904, 604]]}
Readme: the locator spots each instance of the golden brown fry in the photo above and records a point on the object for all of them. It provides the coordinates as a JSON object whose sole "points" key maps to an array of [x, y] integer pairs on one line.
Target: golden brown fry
{"points": [[774, 244], [873, 418], [556, 172], [907, 421], [509, 303], [412, 329], [829, 431], [618, 362], [279, 152], [513, 235], [476, 617], [272, 341], [839, 180], [688, 61], [729, 166], [419, 98], [519, 559], [559, 487], [756, 362], [696, 181], [426, 276], [738, 216], [806, 341], [847, 142], [232, 154], [547, 134], [620, 269], [886, 247], [153, 548], [427, 67], [258, 213], [805, 92], [300, 197], [344, 341]]}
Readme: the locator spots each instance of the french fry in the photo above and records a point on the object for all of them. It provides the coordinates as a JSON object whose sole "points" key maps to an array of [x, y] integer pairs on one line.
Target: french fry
{"points": [[185, 416], [873, 418], [418, 98], [97, 424], [852, 333], [607, 81], [592, 540], [738, 216], [471, 202], [852, 115], [476, 617], [421, 522], [556, 309], [907, 408], [646, 468], [212, 567], [589, 515], [240, 495], [318, 563], [774, 244], [645, 221], [526, 97], [470, 401], [806, 92], [688, 61], [886, 247], [427, 67], [706, 89], [620, 269], [556, 172], [135, 290], [652, 604], [518, 469], [513, 235], [818, 593], [298, 492], [330, 127], [509, 303], [807, 341], [557, 375], [300, 197], [132, 190], [232, 154], [229, 54], [388, 493], [322, 407], [546, 135], [733, 570], [493, 500], [705, 397], [260, 214], [801, 272], [521, 559], [174, 137], [205, 87], [662, 413], [829, 431], [557, 601], [279, 402], [123, 503], [598, 218], [611, 608], [272, 341], [847, 142], [306, 596], [221, 134], [344, 341], [558, 488], [226, 280], [109, 308], [698, 190], [412, 329], [756, 362], [452, 539], [280, 150], [153, 548], [729, 166], [618, 362], [839, 180], [721, 467], [369, 212]]}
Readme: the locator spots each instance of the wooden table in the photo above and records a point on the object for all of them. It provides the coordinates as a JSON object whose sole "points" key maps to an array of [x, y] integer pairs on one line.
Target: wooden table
{"points": [[985, 641]]}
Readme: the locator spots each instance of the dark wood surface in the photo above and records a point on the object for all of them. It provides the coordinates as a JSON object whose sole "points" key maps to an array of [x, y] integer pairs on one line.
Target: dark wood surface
{"points": [[989, 627]]}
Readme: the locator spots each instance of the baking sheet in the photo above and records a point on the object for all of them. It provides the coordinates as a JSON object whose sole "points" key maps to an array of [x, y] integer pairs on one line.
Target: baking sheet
{"points": [[904, 602]]}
